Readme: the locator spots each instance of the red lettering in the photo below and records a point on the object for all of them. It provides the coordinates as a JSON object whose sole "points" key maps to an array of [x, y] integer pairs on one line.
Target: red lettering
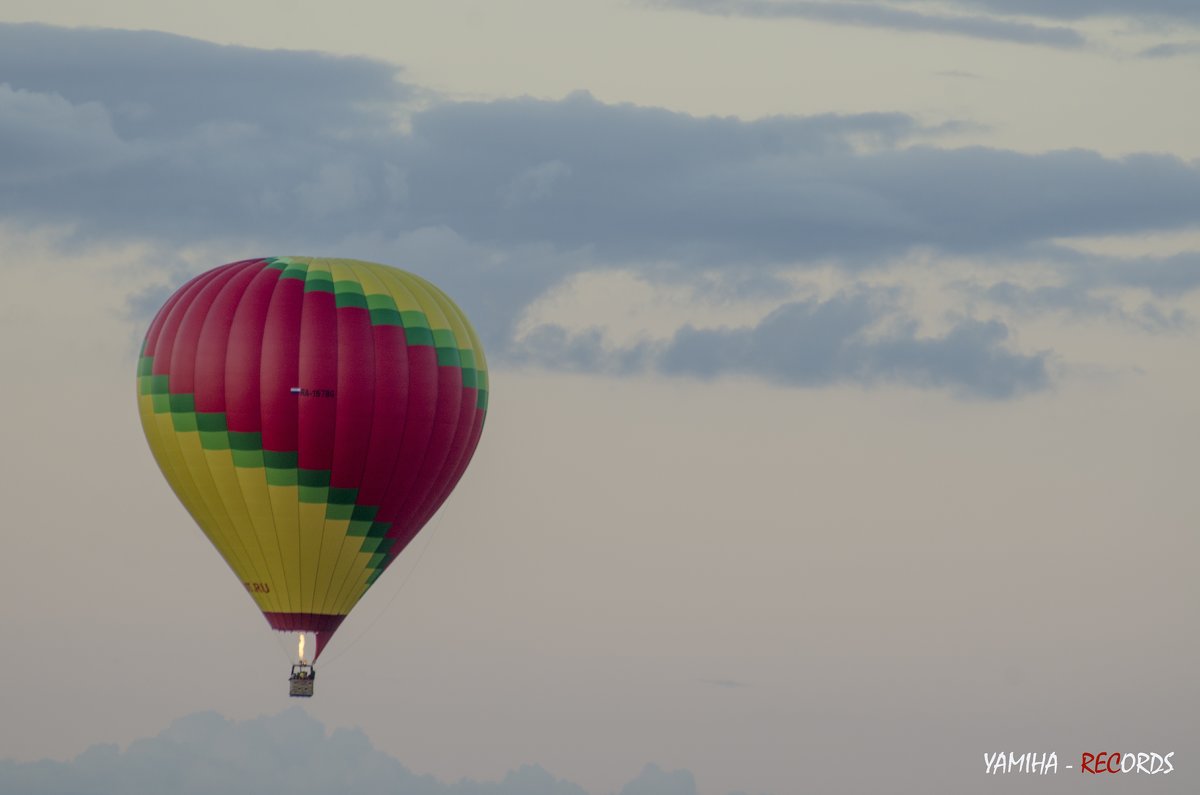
{"points": [[1103, 762]]}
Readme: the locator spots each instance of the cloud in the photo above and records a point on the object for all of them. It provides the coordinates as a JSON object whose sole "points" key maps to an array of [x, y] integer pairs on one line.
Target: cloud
{"points": [[862, 335], [981, 19], [1094, 286], [1175, 275], [1184, 11], [44, 137], [291, 752], [536, 183], [159, 85], [1081, 302], [1171, 50], [811, 343], [646, 184], [554, 347], [140, 136], [627, 184], [884, 15], [655, 781], [180, 140]]}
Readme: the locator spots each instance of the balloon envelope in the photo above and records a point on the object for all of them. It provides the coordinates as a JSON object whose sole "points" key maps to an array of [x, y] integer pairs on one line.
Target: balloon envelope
{"points": [[311, 415]]}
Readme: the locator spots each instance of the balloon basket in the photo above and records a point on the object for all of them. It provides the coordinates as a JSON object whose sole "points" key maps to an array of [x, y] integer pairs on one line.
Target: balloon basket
{"points": [[300, 683]]}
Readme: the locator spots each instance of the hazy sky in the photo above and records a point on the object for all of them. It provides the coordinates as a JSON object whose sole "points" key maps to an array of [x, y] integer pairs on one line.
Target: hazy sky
{"points": [[843, 422]]}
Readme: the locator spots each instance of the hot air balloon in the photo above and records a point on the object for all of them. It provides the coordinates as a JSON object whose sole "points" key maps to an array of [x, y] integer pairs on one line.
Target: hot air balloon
{"points": [[311, 415]]}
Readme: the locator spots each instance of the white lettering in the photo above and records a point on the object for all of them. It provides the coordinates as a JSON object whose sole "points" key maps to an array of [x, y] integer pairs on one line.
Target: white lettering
{"points": [[1028, 762]]}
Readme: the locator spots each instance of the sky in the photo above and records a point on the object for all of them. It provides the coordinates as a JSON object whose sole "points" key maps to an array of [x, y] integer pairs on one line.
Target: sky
{"points": [[842, 426]]}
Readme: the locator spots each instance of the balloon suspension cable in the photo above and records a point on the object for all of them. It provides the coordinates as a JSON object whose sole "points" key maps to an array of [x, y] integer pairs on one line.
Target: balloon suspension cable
{"points": [[286, 649], [430, 534]]}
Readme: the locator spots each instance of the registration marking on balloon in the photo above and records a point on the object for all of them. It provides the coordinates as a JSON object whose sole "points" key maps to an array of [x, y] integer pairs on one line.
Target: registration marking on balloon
{"points": [[311, 415]]}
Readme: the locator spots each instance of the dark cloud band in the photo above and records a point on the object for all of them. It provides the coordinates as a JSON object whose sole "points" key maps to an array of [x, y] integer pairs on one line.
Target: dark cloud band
{"points": [[135, 135], [885, 15]]}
